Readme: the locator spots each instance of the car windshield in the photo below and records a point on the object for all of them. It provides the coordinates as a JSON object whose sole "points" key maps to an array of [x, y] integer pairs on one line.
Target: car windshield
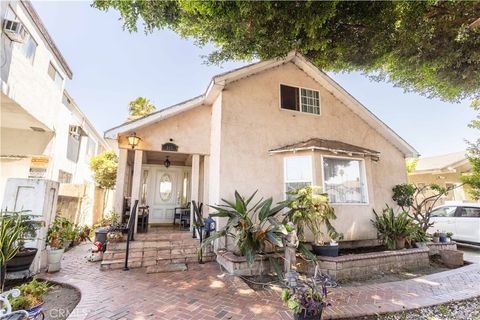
{"points": [[443, 212]]}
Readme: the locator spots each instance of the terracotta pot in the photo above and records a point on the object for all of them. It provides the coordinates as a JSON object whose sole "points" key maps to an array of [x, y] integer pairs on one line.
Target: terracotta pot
{"points": [[400, 243]]}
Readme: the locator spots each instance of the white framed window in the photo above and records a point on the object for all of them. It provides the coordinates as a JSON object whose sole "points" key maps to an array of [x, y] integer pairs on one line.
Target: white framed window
{"points": [[344, 180], [29, 47], [299, 99], [298, 172]]}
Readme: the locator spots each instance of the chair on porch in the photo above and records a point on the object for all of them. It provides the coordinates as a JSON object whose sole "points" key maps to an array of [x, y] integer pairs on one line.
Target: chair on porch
{"points": [[183, 215]]}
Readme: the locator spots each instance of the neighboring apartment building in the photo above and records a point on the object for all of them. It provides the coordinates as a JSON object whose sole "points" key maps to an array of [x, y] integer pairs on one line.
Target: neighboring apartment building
{"points": [[43, 133], [445, 170]]}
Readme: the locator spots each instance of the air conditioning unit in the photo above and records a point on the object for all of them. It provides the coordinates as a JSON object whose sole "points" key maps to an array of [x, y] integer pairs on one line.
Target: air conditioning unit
{"points": [[75, 131], [14, 30]]}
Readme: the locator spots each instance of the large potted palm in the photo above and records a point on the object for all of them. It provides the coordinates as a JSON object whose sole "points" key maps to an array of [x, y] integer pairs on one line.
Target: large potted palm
{"points": [[25, 255], [310, 209], [252, 227]]}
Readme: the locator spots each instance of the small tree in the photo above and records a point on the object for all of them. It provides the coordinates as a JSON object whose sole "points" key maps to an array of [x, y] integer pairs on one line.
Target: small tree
{"points": [[104, 167], [418, 201], [140, 107]]}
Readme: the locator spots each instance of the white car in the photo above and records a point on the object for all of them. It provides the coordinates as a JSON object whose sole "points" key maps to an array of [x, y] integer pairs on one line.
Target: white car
{"points": [[463, 220]]}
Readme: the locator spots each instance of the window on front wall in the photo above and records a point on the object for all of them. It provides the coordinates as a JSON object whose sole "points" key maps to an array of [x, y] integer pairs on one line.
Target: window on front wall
{"points": [[299, 99], [29, 47], [298, 172], [344, 180], [64, 177], [73, 144], [55, 76]]}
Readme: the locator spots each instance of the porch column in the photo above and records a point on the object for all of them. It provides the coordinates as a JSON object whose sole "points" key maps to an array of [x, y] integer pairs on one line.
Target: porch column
{"points": [[120, 183], [206, 177], [137, 179], [195, 184]]}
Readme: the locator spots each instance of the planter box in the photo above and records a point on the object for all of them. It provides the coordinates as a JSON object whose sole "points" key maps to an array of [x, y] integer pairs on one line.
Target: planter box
{"points": [[435, 247], [237, 265], [452, 258], [365, 265]]}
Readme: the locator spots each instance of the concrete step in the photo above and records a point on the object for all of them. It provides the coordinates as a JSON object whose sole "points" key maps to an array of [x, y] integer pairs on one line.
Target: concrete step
{"points": [[169, 267]]}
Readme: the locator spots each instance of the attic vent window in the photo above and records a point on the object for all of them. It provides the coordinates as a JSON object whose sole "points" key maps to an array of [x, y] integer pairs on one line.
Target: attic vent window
{"points": [[169, 146], [299, 99]]}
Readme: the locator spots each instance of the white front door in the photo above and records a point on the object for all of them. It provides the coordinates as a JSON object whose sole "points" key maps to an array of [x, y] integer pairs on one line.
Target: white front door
{"points": [[167, 187]]}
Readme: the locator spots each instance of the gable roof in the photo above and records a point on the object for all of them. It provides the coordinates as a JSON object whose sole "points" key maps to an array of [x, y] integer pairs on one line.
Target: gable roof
{"points": [[328, 145], [218, 83], [441, 162]]}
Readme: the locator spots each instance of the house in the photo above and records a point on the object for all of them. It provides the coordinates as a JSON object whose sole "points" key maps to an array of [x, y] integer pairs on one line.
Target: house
{"points": [[269, 126], [44, 135], [445, 170]]}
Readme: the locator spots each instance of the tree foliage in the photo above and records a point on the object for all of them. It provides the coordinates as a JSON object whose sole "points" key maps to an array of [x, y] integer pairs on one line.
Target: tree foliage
{"points": [[418, 201], [473, 153], [104, 167], [430, 47], [140, 107]]}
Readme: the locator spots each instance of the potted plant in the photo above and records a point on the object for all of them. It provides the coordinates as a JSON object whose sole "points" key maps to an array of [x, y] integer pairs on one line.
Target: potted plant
{"points": [[436, 237], [307, 301], [418, 236], [55, 244], [251, 227], [83, 234], [392, 229], [310, 209], [449, 237], [25, 255], [31, 297], [442, 237], [10, 230]]}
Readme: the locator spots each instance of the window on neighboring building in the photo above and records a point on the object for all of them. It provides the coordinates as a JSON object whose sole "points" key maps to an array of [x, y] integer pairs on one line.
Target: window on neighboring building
{"points": [[344, 180], [299, 99], [91, 146], [298, 172], [29, 47], [73, 146], [64, 177], [55, 75]]}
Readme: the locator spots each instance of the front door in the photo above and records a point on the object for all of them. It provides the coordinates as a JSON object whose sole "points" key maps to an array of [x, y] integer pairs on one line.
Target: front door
{"points": [[166, 196]]}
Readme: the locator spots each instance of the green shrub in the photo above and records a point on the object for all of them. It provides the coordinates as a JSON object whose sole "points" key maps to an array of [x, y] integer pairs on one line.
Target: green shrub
{"points": [[31, 294]]}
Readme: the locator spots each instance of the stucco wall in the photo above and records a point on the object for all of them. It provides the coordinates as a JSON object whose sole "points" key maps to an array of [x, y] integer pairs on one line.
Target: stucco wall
{"points": [[189, 130], [253, 123]]}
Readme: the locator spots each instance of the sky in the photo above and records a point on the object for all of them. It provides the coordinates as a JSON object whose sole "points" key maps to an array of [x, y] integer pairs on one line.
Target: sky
{"points": [[112, 67]]}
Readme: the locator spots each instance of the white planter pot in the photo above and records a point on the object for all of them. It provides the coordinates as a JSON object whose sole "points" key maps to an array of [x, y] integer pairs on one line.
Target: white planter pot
{"points": [[449, 240], [54, 257]]}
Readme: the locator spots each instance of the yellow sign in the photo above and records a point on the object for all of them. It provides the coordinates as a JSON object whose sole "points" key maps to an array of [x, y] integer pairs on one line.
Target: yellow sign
{"points": [[39, 162]]}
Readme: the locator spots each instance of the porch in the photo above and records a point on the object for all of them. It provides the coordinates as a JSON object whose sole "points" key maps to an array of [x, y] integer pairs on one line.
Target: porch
{"points": [[165, 183]]}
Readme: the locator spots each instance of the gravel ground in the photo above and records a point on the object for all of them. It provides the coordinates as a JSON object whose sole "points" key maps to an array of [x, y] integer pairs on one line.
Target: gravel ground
{"points": [[461, 310]]}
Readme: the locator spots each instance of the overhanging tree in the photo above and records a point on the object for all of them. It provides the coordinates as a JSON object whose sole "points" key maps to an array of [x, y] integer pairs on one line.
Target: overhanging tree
{"points": [[473, 153], [104, 167], [430, 47]]}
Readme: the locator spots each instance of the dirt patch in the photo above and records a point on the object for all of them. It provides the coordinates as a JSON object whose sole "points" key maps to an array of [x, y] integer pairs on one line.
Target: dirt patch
{"points": [[60, 301], [398, 275]]}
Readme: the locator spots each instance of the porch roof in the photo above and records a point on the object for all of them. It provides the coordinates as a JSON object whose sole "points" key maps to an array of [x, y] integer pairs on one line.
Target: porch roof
{"points": [[327, 145]]}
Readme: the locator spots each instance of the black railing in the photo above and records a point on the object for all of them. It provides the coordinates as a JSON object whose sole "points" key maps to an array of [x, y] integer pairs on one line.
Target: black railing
{"points": [[132, 220], [198, 226]]}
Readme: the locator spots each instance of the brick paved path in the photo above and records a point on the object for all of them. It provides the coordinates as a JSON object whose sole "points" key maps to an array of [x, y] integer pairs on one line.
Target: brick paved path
{"points": [[205, 292]]}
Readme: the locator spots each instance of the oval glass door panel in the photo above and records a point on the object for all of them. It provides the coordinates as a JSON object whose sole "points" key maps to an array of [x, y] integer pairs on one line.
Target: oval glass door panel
{"points": [[165, 187]]}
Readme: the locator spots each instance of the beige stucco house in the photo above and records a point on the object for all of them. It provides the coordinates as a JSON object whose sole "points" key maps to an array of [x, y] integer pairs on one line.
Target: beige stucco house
{"points": [[445, 170], [270, 126]]}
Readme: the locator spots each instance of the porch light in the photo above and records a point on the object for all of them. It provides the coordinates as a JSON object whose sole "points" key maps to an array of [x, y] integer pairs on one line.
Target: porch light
{"points": [[133, 140], [166, 163]]}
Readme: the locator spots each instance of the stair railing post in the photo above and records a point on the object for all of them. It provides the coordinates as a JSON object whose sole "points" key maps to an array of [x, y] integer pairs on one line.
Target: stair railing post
{"points": [[130, 230]]}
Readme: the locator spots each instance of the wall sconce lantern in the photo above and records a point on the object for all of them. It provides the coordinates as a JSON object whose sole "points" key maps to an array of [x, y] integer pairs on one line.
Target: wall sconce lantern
{"points": [[133, 140], [167, 163]]}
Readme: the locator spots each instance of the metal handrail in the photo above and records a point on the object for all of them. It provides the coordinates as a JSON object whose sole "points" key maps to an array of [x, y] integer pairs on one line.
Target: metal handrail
{"points": [[198, 226], [130, 231]]}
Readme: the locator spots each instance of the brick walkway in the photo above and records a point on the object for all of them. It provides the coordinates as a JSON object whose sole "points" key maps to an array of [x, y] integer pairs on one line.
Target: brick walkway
{"points": [[205, 292]]}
